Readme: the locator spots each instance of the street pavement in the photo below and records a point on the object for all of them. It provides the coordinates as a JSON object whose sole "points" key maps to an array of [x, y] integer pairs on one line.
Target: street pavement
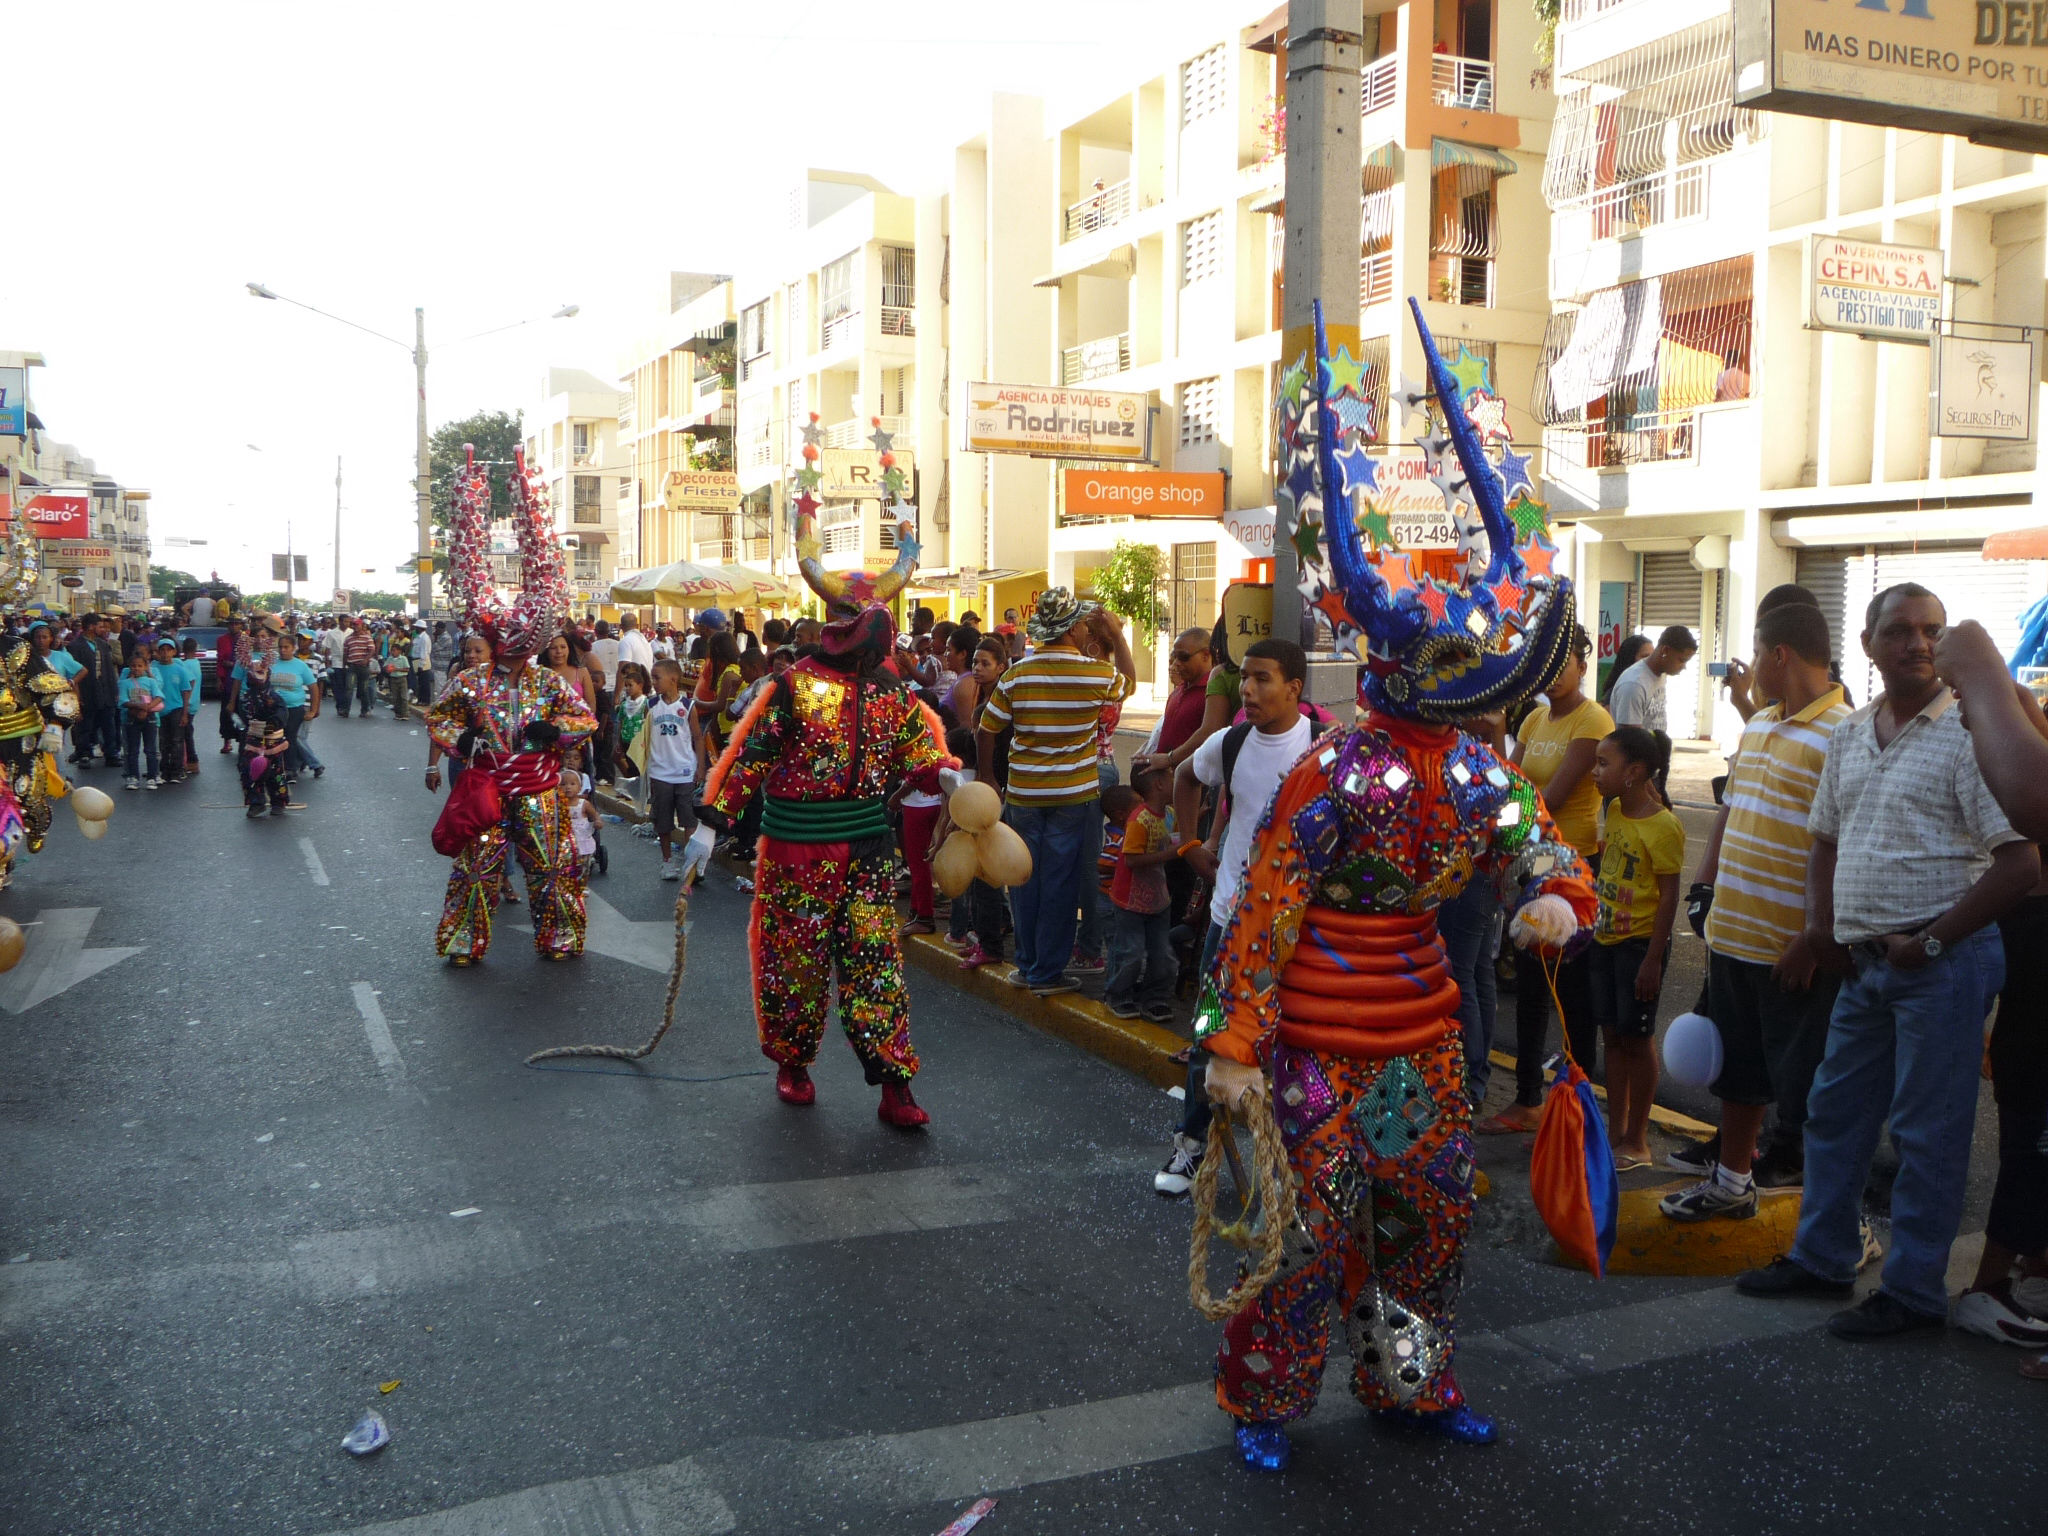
{"points": [[246, 1111]]}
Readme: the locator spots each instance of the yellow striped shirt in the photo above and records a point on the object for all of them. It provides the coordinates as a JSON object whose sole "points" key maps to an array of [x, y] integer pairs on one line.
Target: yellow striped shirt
{"points": [[1760, 887], [1053, 699]]}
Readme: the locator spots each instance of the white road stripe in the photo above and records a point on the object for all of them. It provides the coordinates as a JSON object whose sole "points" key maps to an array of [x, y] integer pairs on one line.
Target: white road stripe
{"points": [[313, 865], [389, 1062]]}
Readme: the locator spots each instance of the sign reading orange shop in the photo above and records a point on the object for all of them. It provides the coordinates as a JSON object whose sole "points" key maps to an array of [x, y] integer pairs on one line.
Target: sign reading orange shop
{"points": [[1143, 493]]}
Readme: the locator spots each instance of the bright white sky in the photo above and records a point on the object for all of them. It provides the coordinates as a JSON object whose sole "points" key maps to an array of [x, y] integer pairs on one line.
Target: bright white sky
{"points": [[490, 161]]}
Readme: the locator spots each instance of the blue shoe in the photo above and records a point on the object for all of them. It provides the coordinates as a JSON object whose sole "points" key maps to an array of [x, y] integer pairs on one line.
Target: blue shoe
{"points": [[1460, 1424], [1264, 1447]]}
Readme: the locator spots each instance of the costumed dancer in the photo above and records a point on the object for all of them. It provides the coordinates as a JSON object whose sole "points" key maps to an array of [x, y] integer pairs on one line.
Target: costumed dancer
{"points": [[37, 702], [259, 717], [511, 722], [826, 745], [1331, 990]]}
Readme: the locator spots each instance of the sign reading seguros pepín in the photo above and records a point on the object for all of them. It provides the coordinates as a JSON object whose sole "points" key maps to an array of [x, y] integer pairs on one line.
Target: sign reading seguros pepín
{"points": [[1984, 387], [1049, 422]]}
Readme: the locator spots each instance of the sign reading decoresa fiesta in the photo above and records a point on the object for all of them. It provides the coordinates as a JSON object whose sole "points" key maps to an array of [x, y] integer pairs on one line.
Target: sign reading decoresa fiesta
{"points": [[1890, 292], [1048, 422], [1978, 68]]}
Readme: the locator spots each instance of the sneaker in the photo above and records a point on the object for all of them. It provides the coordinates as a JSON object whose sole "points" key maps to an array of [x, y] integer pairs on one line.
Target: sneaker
{"points": [[1775, 1175], [1696, 1157], [974, 957], [1158, 1013], [1786, 1276], [1873, 1250], [919, 925], [669, 870], [1709, 1198], [2030, 1295], [254, 812], [152, 783], [1994, 1317], [1178, 1176], [1087, 965], [1124, 1010], [1056, 987], [1017, 978], [1880, 1315], [320, 772], [131, 783]]}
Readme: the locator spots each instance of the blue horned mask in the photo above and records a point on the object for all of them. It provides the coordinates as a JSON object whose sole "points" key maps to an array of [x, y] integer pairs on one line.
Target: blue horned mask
{"points": [[1431, 649]]}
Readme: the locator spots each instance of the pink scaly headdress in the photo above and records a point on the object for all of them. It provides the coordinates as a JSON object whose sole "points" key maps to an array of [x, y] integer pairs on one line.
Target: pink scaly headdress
{"points": [[543, 602]]}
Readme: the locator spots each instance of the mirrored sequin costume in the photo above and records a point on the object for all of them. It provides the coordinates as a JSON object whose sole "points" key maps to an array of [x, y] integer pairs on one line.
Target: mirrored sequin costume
{"points": [[36, 703], [1330, 973], [536, 825]]}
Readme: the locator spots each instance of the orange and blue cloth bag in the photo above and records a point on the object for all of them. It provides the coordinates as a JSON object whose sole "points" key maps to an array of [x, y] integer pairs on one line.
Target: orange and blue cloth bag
{"points": [[1571, 1170]]}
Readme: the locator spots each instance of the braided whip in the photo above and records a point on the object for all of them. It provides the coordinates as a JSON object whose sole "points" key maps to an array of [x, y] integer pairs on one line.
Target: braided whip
{"points": [[668, 1007], [1271, 1191]]}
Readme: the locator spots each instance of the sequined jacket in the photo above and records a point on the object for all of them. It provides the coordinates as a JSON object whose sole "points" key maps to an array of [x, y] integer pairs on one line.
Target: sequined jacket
{"points": [[501, 710], [822, 735], [1387, 817]]}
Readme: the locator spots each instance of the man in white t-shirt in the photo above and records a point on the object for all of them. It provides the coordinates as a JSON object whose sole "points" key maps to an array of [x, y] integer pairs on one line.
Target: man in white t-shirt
{"points": [[1254, 756], [633, 644], [201, 609], [1637, 697]]}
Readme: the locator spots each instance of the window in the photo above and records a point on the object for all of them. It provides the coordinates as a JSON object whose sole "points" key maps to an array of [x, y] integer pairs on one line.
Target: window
{"points": [[899, 291], [839, 524], [588, 491], [836, 288], [1194, 586], [1199, 400], [1202, 85], [587, 565], [1198, 241], [754, 329], [579, 439]]}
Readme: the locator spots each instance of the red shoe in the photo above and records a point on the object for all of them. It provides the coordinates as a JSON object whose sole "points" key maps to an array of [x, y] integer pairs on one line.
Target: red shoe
{"points": [[900, 1109], [973, 957], [793, 1085]]}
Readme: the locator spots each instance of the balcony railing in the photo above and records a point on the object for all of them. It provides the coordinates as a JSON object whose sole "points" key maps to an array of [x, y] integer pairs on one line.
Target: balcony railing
{"points": [[1462, 280], [1097, 359], [1626, 209], [715, 551], [1459, 82], [761, 448], [1379, 85], [856, 433], [842, 329], [898, 319], [1376, 279], [626, 415], [1098, 210], [1583, 10]]}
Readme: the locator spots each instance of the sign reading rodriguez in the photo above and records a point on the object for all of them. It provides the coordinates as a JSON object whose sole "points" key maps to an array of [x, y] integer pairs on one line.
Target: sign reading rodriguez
{"points": [[1041, 420], [1890, 292]]}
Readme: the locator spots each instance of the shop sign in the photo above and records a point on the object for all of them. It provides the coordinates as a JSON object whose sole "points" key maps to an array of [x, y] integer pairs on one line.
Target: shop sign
{"points": [[1045, 421], [1247, 617], [77, 557], [1978, 68], [1142, 493], [13, 402], [59, 514], [701, 490], [1253, 528], [855, 474], [1883, 292], [1985, 388]]}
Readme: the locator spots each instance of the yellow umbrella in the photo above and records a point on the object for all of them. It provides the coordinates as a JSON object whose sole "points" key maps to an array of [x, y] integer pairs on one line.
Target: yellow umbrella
{"points": [[768, 588], [680, 584]]}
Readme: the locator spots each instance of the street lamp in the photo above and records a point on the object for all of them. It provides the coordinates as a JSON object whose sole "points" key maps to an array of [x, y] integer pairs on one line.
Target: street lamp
{"points": [[424, 559]]}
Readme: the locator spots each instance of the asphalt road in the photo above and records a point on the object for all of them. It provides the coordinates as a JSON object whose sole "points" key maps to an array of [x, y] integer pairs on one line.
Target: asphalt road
{"points": [[237, 1151]]}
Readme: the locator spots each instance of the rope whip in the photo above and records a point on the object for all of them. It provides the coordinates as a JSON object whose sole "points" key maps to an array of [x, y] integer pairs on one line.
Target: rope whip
{"points": [[1271, 1189], [668, 1007]]}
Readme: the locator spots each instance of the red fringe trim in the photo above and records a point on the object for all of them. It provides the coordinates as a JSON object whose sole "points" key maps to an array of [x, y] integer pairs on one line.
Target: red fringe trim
{"points": [[715, 782]]}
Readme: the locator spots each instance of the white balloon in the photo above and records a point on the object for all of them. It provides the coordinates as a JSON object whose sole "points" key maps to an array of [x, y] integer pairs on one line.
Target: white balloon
{"points": [[1692, 1050], [92, 831]]}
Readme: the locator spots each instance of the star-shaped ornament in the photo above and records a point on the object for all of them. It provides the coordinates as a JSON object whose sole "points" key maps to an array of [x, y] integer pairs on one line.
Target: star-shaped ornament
{"points": [[1305, 537], [1396, 570], [882, 440], [1507, 595], [806, 504], [1413, 398], [1301, 480], [1469, 371], [1514, 470], [814, 435], [1539, 556], [1343, 374], [1435, 601], [1294, 380], [1360, 471], [1530, 517], [1377, 525]]}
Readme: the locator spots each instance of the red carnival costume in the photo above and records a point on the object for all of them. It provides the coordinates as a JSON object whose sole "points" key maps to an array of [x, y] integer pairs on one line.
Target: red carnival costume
{"points": [[826, 746], [512, 721], [1330, 977]]}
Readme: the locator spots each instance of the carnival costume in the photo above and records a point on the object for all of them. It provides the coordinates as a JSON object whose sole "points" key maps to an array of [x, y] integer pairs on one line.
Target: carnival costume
{"points": [[37, 702], [513, 721], [826, 745], [1330, 976]]}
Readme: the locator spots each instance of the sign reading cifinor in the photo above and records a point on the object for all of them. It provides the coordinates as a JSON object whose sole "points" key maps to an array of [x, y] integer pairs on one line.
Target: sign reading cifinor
{"points": [[1041, 420], [1887, 292]]}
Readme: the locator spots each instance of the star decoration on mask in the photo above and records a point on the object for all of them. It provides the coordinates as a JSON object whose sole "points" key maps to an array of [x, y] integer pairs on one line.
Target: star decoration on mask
{"points": [[1488, 414], [1435, 601], [1331, 606], [1507, 595], [806, 504], [1413, 398], [1396, 570], [1305, 537], [1450, 479], [1514, 470], [814, 435], [1469, 371], [1359, 469], [1294, 380], [883, 440], [1343, 374], [1377, 525], [1301, 481], [1530, 517], [1539, 555]]}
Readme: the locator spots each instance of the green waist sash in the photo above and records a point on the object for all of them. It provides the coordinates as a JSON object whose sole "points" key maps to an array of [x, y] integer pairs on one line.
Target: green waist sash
{"points": [[824, 821]]}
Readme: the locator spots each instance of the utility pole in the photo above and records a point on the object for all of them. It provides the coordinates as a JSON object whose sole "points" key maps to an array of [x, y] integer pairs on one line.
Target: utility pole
{"points": [[1324, 47], [290, 606], [426, 544], [337, 522]]}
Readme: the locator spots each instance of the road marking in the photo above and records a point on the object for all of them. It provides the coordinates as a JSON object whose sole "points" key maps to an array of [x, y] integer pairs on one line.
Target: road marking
{"points": [[382, 1046], [57, 959], [650, 945], [313, 865], [672, 1500]]}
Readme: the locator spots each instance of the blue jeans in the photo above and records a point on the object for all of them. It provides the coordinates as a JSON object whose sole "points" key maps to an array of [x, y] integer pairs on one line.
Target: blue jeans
{"points": [[1045, 907], [1908, 1045], [1093, 905], [141, 746], [1470, 927], [1141, 965]]}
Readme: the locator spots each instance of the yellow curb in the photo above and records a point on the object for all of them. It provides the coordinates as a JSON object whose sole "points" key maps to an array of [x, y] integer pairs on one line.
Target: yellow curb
{"points": [[1664, 1119], [1649, 1243]]}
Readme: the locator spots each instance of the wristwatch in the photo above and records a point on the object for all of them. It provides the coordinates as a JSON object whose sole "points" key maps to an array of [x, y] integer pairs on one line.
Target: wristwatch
{"points": [[1930, 946]]}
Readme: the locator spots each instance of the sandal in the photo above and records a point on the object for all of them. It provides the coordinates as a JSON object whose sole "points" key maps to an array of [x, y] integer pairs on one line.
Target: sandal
{"points": [[1629, 1162], [1501, 1125], [2035, 1369]]}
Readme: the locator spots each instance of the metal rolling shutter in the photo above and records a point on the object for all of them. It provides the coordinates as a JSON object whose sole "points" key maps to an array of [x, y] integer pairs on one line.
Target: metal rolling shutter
{"points": [[1672, 592], [1825, 573]]}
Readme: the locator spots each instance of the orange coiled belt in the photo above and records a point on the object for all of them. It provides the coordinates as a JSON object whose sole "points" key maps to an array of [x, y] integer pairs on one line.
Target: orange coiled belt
{"points": [[1367, 985]]}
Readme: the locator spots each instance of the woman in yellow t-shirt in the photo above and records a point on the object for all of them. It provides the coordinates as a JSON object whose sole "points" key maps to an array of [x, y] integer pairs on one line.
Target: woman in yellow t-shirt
{"points": [[1555, 748]]}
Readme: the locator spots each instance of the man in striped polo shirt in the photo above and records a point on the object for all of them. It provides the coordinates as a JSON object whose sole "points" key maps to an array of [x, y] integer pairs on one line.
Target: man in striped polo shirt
{"points": [[1763, 988], [1051, 700]]}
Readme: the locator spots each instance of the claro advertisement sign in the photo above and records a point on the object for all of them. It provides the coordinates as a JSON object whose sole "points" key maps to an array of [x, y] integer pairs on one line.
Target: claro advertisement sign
{"points": [[1888, 292], [1047, 422], [1978, 68]]}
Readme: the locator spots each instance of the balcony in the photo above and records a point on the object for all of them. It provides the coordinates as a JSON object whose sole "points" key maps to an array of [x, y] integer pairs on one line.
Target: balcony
{"points": [[856, 433], [839, 329], [710, 387], [626, 414], [1098, 359], [1098, 210], [1376, 279], [761, 447], [1585, 10], [1627, 208], [1379, 85], [1463, 83]]}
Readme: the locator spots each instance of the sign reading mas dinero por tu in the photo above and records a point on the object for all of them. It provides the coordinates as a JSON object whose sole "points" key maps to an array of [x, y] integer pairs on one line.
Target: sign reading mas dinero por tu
{"points": [[1057, 423]]}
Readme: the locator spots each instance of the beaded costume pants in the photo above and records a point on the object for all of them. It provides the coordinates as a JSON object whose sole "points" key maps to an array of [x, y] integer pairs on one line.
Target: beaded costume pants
{"points": [[1382, 1160], [538, 830], [820, 910]]}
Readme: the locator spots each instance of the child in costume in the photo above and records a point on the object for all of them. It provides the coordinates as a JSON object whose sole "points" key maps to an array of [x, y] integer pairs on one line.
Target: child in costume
{"points": [[1331, 989]]}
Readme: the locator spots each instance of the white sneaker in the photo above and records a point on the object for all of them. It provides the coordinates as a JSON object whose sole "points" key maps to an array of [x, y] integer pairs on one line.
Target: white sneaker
{"points": [[153, 784], [1993, 1317], [2030, 1295], [131, 783], [669, 870], [1178, 1176]]}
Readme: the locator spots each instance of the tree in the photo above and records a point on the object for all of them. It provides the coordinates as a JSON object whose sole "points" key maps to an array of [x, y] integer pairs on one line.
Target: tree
{"points": [[385, 602], [163, 581], [1129, 583], [495, 436]]}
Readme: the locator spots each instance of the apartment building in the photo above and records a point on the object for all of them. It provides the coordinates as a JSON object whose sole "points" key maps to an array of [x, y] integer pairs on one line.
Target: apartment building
{"points": [[572, 443], [675, 424], [1168, 216], [830, 331], [1706, 442]]}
